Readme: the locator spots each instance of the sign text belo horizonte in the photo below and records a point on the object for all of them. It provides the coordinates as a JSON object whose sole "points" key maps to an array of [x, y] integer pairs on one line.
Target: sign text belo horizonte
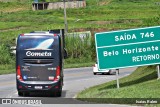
{"points": [[127, 48]]}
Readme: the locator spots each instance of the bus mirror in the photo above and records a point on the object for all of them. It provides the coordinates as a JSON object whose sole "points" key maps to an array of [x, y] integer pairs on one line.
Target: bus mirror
{"points": [[13, 49], [65, 54]]}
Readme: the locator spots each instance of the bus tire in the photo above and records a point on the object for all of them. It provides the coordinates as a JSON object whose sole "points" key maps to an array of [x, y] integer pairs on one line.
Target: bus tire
{"points": [[58, 93], [25, 94], [20, 93]]}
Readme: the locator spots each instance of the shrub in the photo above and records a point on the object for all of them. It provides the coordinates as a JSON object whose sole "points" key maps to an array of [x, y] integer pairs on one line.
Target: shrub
{"points": [[5, 56]]}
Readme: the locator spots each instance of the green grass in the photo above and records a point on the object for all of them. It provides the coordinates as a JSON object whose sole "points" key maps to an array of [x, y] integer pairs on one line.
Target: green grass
{"points": [[7, 68], [115, 15], [114, 11], [8, 71], [142, 83], [78, 65]]}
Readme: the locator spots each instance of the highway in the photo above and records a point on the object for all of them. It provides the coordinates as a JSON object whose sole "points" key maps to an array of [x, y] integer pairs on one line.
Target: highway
{"points": [[75, 80]]}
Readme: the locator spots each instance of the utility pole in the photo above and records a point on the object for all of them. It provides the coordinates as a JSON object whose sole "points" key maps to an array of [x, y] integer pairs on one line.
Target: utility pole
{"points": [[65, 18]]}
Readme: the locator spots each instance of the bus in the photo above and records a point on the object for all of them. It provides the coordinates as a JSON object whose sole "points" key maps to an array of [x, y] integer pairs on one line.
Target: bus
{"points": [[39, 62]]}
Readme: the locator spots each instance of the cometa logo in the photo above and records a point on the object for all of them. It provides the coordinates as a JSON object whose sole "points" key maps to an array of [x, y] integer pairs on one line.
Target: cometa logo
{"points": [[29, 53]]}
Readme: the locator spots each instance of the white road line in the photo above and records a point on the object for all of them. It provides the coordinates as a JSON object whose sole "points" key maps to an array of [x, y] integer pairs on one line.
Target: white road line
{"points": [[33, 105], [105, 77], [88, 79]]}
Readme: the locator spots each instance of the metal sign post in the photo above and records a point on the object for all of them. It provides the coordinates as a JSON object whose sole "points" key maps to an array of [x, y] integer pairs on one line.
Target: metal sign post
{"points": [[117, 76], [158, 72]]}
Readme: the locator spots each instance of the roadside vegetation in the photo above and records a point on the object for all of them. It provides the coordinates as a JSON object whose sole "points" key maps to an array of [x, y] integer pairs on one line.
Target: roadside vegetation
{"points": [[100, 15], [142, 83]]}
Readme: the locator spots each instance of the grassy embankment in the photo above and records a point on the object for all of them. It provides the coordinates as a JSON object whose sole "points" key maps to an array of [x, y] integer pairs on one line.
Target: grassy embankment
{"points": [[102, 15], [142, 83]]}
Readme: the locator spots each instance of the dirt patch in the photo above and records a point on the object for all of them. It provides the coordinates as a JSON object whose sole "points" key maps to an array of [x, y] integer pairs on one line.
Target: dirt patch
{"points": [[93, 30], [104, 2], [12, 29], [101, 22], [124, 21], [14, 10]]}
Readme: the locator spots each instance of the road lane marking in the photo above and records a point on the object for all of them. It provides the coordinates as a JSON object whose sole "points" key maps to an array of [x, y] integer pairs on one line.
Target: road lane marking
{"points": [[33, 105], [89, 79], [77, 74]]}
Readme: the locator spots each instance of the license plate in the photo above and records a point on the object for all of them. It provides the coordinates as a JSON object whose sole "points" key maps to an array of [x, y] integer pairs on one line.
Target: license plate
{"points": [[38, 87]]}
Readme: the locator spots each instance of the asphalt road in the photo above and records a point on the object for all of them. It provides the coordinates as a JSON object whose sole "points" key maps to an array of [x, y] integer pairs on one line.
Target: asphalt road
{"points": [[75, 80]]}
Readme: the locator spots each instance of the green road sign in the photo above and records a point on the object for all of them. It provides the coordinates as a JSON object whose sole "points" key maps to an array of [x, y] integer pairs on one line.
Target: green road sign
{"points": [[128, 48]]}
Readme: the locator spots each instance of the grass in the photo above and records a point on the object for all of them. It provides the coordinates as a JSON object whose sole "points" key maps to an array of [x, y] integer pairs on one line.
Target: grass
{"points": [[142, 83], [78, 65], [110, 12], [6, 67], [8, 71], [115, 15]]}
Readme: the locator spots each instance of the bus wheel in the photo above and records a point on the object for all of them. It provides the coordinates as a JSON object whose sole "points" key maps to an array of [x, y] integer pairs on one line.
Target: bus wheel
{"points": [[58, 93], [20, 93], [25, 94]]}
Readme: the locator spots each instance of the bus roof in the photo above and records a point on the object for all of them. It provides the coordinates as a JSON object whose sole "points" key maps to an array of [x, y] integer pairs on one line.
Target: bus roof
{"points": [[38, 33]]}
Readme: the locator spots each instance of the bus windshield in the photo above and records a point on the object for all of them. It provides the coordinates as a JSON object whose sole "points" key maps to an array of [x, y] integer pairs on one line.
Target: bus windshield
{"points": [[39, 43]]}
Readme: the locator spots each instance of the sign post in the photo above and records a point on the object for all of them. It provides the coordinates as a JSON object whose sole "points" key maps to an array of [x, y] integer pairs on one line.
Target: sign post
{"points": [[158, 72], [117, 76], [128, 48]]}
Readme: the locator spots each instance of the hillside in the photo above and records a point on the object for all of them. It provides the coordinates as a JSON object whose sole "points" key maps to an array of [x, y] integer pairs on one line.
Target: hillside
{"points": [[142, 84], [100, 15], [17, 17]]}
